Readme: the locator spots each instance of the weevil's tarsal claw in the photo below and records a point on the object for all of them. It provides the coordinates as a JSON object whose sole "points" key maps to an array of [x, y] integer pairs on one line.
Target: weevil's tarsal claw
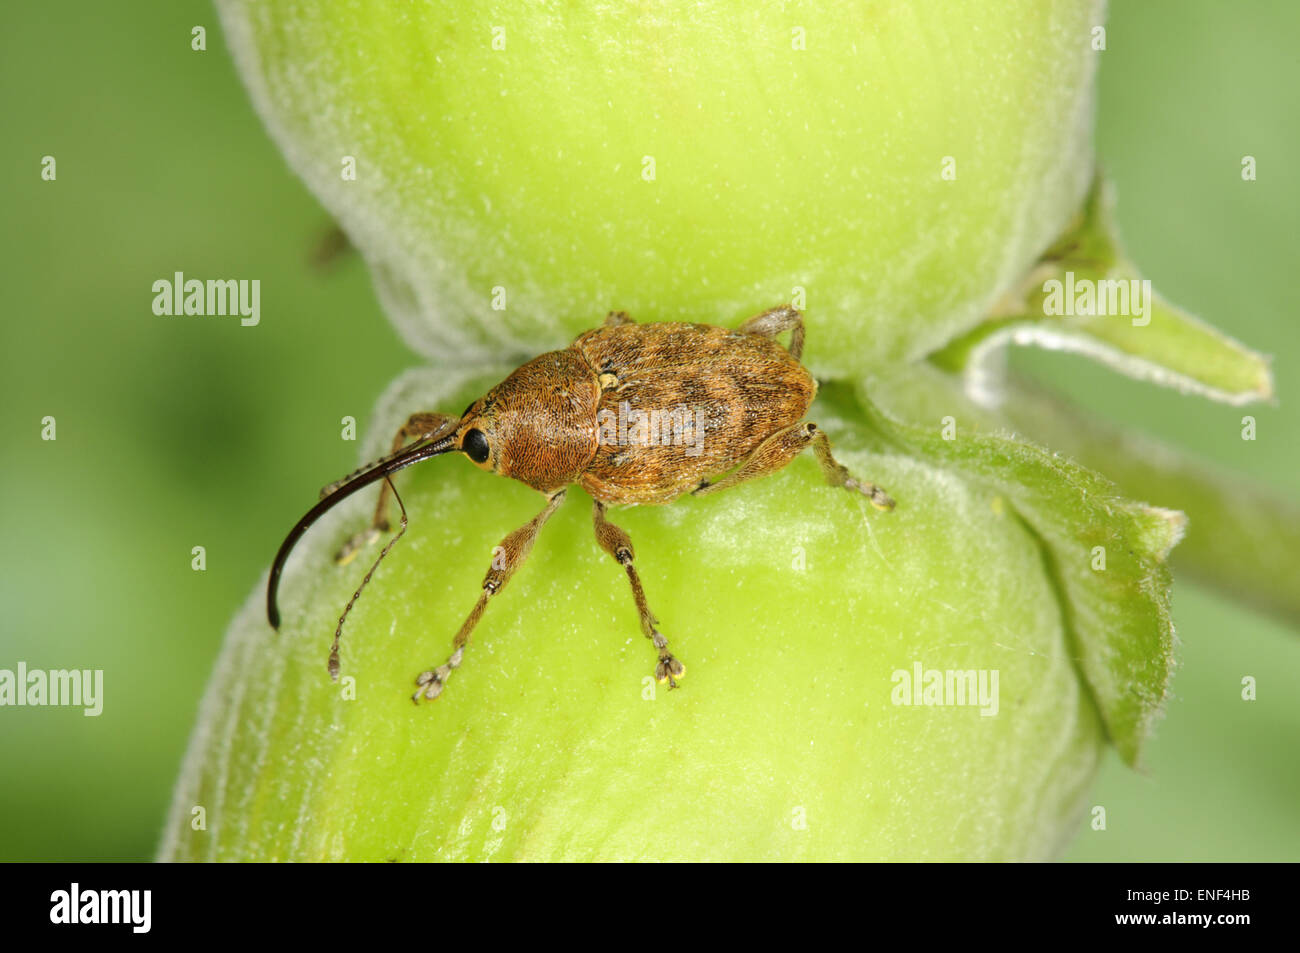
{"points": [[348, 551], [429, 686], [669, 670], [879, 498], [431, 683]]}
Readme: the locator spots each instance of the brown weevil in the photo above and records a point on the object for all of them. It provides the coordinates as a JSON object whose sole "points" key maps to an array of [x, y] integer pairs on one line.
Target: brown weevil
{"points": [[632, 413]]}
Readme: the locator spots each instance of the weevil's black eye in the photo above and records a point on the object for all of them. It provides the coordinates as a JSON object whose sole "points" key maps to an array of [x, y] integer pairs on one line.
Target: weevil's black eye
{"points": [[475, 445]]}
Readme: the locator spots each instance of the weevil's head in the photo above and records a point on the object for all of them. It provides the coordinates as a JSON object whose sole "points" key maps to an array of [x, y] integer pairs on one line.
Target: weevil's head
{"points": [[537, 426]]}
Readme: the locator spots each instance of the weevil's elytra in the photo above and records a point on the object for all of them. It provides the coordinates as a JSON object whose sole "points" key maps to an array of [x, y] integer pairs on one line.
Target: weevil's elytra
{"points": [[730, 404]]}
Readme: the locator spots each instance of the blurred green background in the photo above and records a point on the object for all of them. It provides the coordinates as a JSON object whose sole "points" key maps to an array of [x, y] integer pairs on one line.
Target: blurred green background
{"points": [[179, 432]]}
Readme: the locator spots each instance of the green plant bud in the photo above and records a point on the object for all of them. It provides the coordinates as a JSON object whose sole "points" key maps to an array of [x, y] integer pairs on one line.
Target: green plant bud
{"points": [[935, 682], [801, 729], [511, 174]]}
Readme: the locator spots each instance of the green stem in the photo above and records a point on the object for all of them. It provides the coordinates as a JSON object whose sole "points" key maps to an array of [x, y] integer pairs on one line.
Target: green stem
{"points": [[1243, 539]]}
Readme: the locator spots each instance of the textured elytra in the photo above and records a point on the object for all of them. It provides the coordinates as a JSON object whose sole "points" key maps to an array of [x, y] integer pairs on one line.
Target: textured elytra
{"points": [[639, 413], [738, 389]]}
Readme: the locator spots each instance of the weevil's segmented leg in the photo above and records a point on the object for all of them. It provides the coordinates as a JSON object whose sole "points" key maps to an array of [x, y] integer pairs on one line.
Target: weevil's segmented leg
{"points": [[332, 247], [508, 557], [777, 321], [783, 446], [618, 544], [616, 318], [838, 475], [418, 427], [768, 457]]}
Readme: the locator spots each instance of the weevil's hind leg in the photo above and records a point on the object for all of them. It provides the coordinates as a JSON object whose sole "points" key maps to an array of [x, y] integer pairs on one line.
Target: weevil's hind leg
{"points": [[838, 475], [776, 321], [618, 544], [508, 557], [768, 457], [418, 427], [783, 446], [618, 318]]}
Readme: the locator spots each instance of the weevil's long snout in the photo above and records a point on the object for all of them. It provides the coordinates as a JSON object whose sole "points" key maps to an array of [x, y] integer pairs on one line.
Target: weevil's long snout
{"points": [[383, 469]]}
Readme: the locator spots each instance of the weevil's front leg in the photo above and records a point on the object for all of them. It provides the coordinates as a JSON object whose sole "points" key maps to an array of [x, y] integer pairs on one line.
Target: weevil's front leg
{"points": [[506, 559], [418, 427], [783, 446], [618, 544], [776, 321]]}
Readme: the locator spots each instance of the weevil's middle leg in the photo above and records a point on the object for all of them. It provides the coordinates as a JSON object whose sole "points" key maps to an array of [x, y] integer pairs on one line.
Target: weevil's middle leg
{"points": [[775, 321], [618, 544], [418, 427], [508, 557], [618, 318], [783, 446]]}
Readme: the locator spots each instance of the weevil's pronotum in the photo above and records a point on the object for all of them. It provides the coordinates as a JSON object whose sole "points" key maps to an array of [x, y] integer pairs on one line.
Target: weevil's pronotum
{"points": [[729, 406]]}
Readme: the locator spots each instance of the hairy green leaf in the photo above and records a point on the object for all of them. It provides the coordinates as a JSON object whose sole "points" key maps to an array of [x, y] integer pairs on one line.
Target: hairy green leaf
{"points": [[1243, 539], [1106, 554], [1084, 296]]}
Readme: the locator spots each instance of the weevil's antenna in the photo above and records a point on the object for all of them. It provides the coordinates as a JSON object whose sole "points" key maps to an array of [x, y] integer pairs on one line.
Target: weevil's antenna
{"points": [[338, 630], [411, 455]]}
